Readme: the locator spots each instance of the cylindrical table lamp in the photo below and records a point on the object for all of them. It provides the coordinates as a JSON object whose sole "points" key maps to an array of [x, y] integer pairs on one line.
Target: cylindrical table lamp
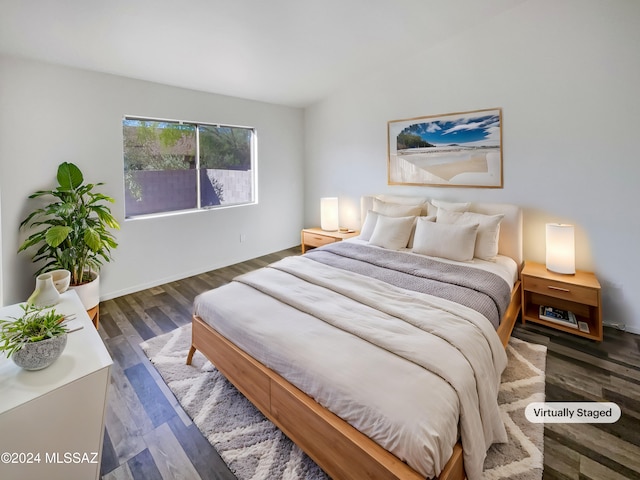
{"points": [[329, 214], [561, 254]]}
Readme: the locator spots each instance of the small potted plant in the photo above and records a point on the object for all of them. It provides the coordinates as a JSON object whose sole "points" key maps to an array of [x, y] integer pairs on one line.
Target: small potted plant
{"points": [[74, 231], [35, 339]]}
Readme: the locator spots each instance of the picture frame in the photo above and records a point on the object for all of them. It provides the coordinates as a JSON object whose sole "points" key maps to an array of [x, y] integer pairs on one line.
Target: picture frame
{"points": [[461, 149]]}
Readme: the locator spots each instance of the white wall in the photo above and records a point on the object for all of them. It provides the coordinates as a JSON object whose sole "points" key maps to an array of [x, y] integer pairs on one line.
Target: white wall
{"points": [[50, 114], [566, 73]]}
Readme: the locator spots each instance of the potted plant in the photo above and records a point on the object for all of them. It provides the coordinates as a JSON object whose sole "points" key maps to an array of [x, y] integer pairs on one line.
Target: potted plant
{"points": [[35, 339], [74, 230]]}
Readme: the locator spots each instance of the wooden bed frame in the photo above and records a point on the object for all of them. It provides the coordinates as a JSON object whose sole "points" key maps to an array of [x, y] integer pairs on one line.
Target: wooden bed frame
{"points": [[338, 448]]}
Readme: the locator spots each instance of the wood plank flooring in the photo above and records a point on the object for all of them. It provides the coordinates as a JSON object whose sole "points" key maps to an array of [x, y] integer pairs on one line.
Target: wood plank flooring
{"points": [[148, 436], [583, 370]]}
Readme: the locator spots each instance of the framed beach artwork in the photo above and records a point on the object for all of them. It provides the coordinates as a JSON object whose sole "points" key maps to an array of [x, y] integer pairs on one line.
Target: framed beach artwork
{"points": [[452, 150]]}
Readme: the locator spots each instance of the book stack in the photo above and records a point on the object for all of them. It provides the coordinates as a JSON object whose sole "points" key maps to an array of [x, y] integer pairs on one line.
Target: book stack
{"points": [[556, 315]]}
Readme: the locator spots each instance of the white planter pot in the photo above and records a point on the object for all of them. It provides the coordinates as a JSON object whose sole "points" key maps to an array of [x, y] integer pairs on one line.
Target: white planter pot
{"points": [[89, 293]]}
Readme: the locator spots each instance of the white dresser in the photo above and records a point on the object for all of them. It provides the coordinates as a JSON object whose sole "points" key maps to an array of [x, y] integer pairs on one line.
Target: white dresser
{"points": [[52, 420]]}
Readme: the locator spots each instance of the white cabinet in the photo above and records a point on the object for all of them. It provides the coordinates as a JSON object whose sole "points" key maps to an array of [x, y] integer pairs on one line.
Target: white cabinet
{"points": [[52, 420]]}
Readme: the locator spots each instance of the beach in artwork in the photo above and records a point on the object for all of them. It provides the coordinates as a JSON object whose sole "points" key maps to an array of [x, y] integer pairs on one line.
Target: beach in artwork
{"points": [[446, 166], [461, 149]]}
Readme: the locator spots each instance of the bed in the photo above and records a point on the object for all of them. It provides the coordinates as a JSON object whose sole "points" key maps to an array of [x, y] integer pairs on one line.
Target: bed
{"points": [[376, 357]]}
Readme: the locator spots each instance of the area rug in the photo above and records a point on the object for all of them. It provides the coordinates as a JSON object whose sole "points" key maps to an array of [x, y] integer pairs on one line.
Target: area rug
{"points": [[255, 449]]}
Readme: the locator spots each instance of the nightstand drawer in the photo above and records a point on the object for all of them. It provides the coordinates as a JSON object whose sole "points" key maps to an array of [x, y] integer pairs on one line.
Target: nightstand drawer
{"points": [[565, 291], [316, 240]]}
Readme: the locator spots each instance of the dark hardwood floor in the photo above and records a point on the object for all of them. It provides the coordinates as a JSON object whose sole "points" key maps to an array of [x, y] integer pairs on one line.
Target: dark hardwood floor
{"points": [[148, 435], [584, 370]]}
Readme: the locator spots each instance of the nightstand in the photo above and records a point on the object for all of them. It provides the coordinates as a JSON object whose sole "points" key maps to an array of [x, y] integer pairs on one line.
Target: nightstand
{"points": [[316, 237], [579, 293]]}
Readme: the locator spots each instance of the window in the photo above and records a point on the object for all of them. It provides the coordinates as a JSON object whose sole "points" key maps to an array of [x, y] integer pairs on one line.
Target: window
{"points": [[171, 166]]}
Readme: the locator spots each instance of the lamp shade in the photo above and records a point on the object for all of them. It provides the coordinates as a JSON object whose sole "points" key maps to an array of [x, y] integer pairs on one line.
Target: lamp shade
{"points": [[561, 250], [329, 214]]}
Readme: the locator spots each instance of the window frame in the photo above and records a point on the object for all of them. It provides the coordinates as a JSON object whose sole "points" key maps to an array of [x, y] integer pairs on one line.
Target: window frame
{"points": [[199, 208]]}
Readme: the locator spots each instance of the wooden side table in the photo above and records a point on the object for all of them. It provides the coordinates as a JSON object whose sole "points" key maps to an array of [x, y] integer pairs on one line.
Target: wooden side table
{"points": [[579, 293], [316, 237]]}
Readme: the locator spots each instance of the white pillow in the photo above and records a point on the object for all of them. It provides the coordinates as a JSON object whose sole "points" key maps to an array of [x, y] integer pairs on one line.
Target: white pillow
{"points": [[396, 209], [368, 225], [405, 200], [488, 230], [389, 210], [451, 206], [454, 242], [392, 232]]}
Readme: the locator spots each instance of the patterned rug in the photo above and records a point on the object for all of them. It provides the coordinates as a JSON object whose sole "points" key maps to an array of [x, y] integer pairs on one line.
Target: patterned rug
{"points": [[254, 448]]}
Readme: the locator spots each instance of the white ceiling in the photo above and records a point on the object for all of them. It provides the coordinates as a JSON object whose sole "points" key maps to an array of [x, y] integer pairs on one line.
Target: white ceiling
{"points": [[290, 52]]}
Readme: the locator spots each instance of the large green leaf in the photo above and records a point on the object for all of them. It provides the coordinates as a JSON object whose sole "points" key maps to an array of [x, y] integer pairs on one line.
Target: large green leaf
{"points": [[31, 241], [92, 239], [105, 216], [69, 176], [56, 235]]}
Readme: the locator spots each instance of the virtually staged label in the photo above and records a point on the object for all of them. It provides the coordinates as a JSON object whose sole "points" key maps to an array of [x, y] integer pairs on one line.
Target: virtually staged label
{"points": [[572, 412]]}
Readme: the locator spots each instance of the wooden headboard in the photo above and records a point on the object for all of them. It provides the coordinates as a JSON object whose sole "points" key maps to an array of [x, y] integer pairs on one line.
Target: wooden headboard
{"points": [[510, 242]]}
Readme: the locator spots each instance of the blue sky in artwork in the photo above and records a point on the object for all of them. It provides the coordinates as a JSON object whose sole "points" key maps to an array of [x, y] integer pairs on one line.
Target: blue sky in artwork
{"points": [[483, 130]]}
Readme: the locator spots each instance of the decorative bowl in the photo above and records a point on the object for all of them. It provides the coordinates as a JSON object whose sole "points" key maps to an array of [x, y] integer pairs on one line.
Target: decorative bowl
{"points": [[39, 355]]}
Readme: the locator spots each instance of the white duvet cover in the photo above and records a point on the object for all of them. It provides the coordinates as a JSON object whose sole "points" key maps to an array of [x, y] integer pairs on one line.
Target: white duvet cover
{"points": [[411, 371]]}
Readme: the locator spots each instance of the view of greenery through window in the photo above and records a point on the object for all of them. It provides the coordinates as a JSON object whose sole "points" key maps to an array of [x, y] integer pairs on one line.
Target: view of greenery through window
{"points": [[171, 166]]}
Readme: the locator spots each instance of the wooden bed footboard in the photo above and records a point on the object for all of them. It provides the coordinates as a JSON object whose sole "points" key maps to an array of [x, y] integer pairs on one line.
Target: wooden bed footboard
{"points": [[338, 448]]}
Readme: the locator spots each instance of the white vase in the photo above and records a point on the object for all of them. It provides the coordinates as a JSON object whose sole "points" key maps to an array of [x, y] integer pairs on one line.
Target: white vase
{"points": [[45, 294], [61, 279]]}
